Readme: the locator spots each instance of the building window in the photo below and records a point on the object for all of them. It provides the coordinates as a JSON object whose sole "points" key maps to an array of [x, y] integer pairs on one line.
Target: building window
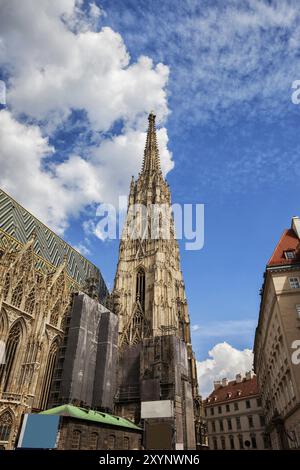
{"points": [[227, 407], [258, 401], [253, 441], [6, 422], [290, 254], [241, 442], [238, 422], [94, 441], [262, 420], [126, 443], [223, 443], [221, 425], [250, 421], [12, 347], [229, 425], [213, 425], [236, 406], [215, 443], [140, 287], [231, 440], [212, 411], [220, 407], [49, 371], [247, 403], [111, 441], [76, 438], [298, 310], [294, 282]]}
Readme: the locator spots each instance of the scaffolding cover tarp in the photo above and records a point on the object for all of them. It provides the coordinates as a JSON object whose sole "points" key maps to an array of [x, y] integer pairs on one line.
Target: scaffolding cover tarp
{"points": [[91, 354]]}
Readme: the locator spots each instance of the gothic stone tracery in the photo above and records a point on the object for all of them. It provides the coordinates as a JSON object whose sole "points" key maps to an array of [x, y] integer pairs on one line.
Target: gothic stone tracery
{"points": [[33, 305]]}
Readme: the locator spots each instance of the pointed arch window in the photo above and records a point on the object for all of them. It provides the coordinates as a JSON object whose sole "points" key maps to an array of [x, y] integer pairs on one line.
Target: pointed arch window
{"points": [[12, 347], [2, 343], [17, 294], [6, 422], [48, 376], [138, 319], [140, 287], [2, 325]]}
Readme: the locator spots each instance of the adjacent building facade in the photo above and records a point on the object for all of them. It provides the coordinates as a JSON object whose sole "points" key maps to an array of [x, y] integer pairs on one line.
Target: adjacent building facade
{"points": [[234, 414], [277, 339]]}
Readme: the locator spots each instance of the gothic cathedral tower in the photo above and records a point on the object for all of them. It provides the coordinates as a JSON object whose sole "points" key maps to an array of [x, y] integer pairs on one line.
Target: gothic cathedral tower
{"points": [[157, 379]]}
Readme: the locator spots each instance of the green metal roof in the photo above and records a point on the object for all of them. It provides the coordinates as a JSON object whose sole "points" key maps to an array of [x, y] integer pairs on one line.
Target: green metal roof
{"points": [[90, 415]]}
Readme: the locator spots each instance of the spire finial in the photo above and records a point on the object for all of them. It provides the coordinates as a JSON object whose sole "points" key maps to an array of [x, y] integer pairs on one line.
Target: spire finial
{"points": [[151, 161]]}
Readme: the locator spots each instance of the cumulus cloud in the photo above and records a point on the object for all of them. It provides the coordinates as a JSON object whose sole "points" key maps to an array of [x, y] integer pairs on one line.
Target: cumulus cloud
{"points": [[22, 151], [55, 70], [58, 60], [224, 361]]}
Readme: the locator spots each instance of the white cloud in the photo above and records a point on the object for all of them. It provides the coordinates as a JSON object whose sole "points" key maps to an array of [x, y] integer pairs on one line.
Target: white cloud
{"points": [[224, 361], [22, 151], [57, 62], [55, 70]]}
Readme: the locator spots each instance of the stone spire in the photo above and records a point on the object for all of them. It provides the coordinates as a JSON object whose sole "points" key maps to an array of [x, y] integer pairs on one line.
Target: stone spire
{"points": [[154, 342], [151, 162]]}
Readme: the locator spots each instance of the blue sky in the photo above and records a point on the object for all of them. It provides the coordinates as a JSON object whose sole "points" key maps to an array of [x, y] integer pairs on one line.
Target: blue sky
{"points": [[81, 81]]}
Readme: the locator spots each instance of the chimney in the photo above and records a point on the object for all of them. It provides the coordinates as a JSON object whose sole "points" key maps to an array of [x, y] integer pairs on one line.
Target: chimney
{"points": [[217, 384], [249, 375], [224, 382], [296, 225], [238, 378]]}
